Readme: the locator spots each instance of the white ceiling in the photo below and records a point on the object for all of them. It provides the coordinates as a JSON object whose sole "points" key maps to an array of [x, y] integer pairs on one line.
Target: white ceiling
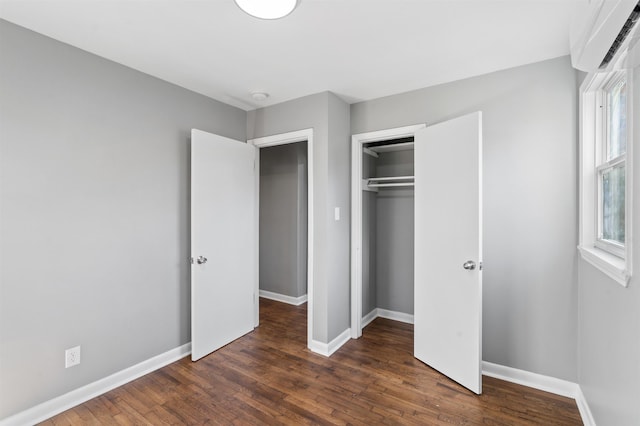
{"points": [[358, 49]]}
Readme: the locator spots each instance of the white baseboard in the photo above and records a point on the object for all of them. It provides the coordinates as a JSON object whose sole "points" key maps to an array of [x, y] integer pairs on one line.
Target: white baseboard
{"points": [[385, 313], [327, 349], [532, 380], [585, 411], [541, 382], [78, 396], [366, 320], [62, 403], [283, 298], [396, 316]]}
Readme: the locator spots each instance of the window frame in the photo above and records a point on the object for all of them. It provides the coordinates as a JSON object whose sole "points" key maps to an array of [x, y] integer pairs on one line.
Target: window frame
{"points": [[611, 257]]}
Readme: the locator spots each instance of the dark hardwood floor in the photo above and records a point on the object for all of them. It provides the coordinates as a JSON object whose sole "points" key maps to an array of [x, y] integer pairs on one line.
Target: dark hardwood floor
{"points": [[270, 377]]}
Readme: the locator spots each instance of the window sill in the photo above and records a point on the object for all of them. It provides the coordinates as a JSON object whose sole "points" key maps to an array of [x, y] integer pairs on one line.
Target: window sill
{"points": [[612, 266]]}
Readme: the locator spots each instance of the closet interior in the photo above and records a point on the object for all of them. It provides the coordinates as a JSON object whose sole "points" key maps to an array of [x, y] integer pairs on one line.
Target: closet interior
{"points": [[387, 229]]}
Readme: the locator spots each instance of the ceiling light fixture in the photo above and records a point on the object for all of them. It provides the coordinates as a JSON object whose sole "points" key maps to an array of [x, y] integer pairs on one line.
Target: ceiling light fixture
{"points": [[259, 96], [267, 9]]}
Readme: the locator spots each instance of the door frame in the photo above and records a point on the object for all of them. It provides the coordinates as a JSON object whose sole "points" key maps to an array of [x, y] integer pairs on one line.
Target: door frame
{"points": [[357, 142], [305, 135]]}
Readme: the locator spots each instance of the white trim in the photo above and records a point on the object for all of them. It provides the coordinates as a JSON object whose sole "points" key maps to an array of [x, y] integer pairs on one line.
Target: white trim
{"points": [[532, 380], [357, 185], [394, 133], [396, 316], [328, 349], [356, 237], [78, 396], [366, 320], [543, 383], [297, 301], [282, 139], [256, 249], [583, 408], [385, 313], [612, 266]]}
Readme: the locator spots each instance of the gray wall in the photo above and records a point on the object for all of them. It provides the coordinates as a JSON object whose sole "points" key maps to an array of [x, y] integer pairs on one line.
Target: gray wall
{"points": [[609, 318], [302, 219], [394, 236], [338, 306], [283, 200], [329, 118], [94, 232], [530, 225]]}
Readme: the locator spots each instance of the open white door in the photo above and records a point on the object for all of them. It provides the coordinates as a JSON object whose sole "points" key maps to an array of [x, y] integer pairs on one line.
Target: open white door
{"points": [[223, 241], [448, 249]]}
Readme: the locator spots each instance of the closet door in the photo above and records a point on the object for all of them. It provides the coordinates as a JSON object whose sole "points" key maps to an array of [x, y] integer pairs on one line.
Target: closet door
{"points": [[448, 249], [223, 241]]}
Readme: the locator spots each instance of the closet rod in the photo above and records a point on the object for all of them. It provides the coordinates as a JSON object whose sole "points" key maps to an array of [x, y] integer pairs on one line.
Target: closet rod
{"points": [[383, 185], [381, 179], [392, 147]]}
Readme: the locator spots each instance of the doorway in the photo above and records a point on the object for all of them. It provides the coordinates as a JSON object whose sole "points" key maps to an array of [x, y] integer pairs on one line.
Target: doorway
{"points": [[279, 140], [359, 142], [283, 223], [447, 238]]}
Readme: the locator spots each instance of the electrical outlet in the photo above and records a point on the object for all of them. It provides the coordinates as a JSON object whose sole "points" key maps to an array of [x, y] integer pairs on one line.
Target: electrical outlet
{"points": [[72, 357]]}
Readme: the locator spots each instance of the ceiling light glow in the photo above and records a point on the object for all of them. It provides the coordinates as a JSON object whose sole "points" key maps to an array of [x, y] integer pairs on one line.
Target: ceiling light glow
{"points": [[267, 9]]}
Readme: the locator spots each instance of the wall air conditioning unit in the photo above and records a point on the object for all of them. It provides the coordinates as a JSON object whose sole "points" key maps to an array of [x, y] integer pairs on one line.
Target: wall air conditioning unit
{"points": [[604, 36]]}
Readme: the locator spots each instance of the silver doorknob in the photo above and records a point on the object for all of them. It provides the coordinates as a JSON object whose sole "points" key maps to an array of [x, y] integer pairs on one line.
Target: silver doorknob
{"points": [[469, 265], [201, 259]]}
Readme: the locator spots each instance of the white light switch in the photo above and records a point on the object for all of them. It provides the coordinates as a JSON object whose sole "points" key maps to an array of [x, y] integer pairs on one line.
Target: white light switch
{"points": [[336, 213]]}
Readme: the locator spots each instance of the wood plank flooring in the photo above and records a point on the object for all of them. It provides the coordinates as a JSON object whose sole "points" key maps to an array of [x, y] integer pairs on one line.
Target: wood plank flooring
{"points": [[270, 377]]}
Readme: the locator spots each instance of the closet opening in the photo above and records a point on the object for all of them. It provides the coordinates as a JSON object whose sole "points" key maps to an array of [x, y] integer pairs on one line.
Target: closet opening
{"points": [[382, 266], [388, 224], [417, 239]]}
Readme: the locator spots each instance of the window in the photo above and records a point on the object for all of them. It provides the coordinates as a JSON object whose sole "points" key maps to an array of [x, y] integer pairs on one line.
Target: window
{"points": [[605, 193], [611, 167]]}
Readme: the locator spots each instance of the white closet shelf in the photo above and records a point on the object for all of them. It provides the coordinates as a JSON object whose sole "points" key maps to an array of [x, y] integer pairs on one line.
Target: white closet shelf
{"points": [[404, 146], [385, 185], [390, 178], [387, 182]]}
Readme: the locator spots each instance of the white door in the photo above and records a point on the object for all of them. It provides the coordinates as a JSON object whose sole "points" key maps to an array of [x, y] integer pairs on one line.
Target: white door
{"points": [[223, 241], [448, 249]]}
